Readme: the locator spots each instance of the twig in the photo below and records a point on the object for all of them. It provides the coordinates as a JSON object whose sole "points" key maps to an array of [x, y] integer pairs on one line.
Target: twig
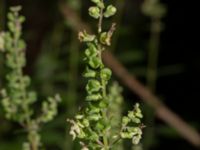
{"points": [[162, 111]]}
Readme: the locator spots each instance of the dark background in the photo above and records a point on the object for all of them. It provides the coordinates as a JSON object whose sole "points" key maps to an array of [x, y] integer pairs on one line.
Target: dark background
{"points": [[48, 37]]}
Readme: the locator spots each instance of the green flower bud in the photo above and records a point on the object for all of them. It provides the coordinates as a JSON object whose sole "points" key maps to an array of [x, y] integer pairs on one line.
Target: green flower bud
{"points": [[85, 37], [110, 11], [82, 134], [10, 16], [95, 1], [90, 52], [22, 19], [105, 39], [99, 126], [94, 12], [133, 130], [103, 104], [133, 117], [94, 109], [93, 86], [95, 62], [94, 136], [139, 114], [131, 114], [125, 121], [136, 139], [93, 97], [94, 117], [32, 96], [86, 122], [99, 3], [137, 110], [136, 120], [11, 26], [105, 74], [89, 73], [79, 117], [125, 135]]}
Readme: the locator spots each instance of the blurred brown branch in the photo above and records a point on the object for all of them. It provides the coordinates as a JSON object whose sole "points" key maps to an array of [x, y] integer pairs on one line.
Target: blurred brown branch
{"points": [[162, 111]]}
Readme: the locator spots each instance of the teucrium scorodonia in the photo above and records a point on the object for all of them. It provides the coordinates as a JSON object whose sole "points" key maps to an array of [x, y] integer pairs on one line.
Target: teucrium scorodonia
{"points": [[17, 99], [93, 126]]}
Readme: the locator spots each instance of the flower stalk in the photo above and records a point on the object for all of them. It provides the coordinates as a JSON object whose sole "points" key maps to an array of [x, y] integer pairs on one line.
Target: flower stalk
{"points": [[17, 98], [93, 125]]}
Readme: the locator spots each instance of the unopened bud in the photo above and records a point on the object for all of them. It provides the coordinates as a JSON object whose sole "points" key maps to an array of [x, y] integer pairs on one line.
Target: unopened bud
{"points": [[110, 11]]}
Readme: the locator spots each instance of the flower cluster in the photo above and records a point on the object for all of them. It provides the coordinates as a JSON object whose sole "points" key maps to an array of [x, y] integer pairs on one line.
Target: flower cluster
{"points": [[95, 11], [130, 125], [17, 99], [93, 125]]}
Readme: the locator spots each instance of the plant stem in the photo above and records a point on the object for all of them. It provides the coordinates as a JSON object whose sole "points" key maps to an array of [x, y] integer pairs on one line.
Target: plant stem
{"points": [[153, 54], [104, 111], [34, 145], [104, 114], [100, 20], [152, 77], [116, 141]]}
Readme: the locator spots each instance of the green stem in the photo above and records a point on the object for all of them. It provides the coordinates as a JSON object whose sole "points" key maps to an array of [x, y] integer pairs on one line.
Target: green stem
{"points": [[152, 77], [104, 114], [18, 52], [116, 141], [100, 20], [34, 144], [153, 54]]}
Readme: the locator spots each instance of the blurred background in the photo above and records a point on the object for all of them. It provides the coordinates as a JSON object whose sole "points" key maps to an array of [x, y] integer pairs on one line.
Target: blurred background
{"points": [[155, 41]]}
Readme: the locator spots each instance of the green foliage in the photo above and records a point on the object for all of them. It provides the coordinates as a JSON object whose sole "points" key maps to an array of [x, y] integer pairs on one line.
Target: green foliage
{"points": [[94, 126], [17, 99]]}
